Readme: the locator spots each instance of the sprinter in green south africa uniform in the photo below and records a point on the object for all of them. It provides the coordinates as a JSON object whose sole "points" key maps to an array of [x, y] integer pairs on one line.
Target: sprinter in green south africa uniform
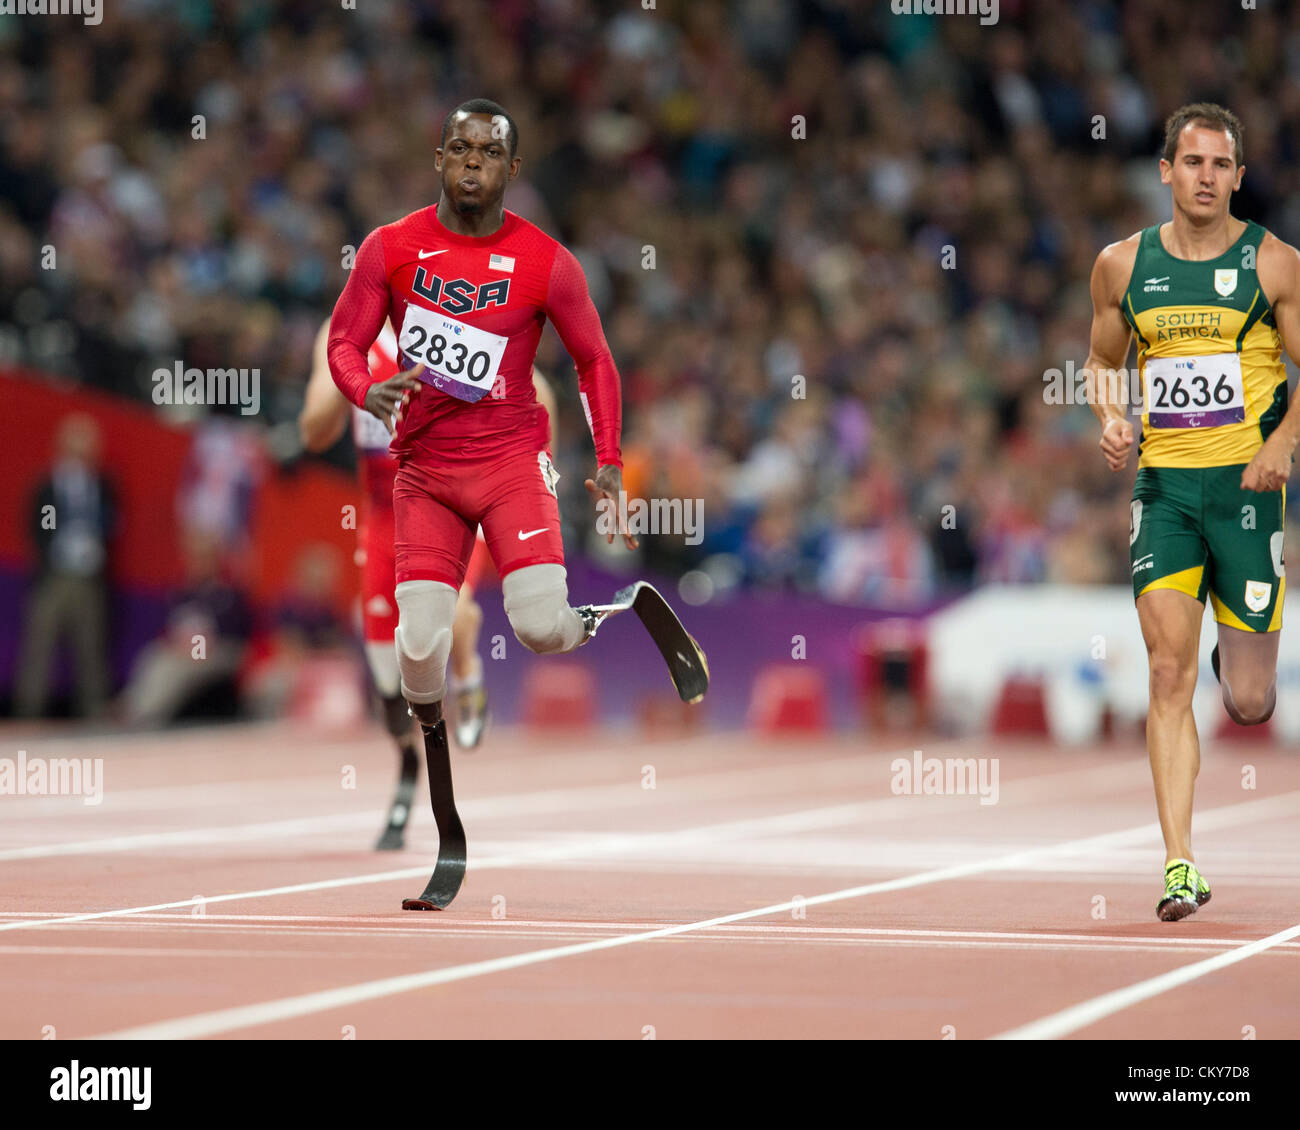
{"points": [[1212, 301]]}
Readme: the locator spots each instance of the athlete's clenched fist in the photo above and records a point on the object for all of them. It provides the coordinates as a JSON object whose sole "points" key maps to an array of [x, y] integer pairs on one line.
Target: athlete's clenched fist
{"points": [[1270, 468], [1116, 441]]}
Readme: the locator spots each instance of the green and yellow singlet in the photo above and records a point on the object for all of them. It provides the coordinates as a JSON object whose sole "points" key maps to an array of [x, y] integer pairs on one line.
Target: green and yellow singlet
{"points": [[1213, 382]]}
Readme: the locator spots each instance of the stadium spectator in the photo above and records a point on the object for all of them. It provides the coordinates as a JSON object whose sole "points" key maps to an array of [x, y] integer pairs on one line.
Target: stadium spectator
{"points": [[72, 518]]}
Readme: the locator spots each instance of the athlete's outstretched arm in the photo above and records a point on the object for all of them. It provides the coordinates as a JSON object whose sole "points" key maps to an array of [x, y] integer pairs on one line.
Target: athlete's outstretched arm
{"points": [[1108, 349], [358, 317], [324, 415], [1278, 267], [569, 306]]}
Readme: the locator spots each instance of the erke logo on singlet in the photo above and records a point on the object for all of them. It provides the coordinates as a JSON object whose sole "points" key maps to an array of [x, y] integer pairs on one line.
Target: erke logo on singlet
{"points": [[1155, 284]]}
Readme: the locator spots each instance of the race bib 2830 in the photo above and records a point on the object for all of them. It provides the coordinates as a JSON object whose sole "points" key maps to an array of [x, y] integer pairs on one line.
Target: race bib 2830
{"points": [[460, 360]]}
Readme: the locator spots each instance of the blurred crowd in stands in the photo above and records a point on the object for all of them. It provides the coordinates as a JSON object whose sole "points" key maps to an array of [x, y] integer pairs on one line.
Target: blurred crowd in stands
{"points": [[871, 235]]}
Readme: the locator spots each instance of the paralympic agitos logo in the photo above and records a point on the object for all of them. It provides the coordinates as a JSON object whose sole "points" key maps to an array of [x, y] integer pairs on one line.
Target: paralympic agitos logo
{"points": [[460, 296]]}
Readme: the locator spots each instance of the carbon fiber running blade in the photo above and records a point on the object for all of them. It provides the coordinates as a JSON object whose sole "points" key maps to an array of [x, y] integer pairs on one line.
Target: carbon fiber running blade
{"points": [[688, 667], [449, 871]]}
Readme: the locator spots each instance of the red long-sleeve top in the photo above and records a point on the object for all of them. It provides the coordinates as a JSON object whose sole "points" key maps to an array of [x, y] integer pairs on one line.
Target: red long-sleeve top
{"points": [[505, 284]]}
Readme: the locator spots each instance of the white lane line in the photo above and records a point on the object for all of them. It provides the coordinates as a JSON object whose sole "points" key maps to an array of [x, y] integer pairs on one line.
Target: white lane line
{"points": [[371, 956], [261, 933], [533, 853], [381, 926], [763, 933], [529, 854], [485, 927], [1078, 1016], [286, 1008]]}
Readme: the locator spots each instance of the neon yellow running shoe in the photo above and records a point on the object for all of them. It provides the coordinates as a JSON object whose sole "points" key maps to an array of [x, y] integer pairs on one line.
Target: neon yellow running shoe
{"points": [[1185, 890]]}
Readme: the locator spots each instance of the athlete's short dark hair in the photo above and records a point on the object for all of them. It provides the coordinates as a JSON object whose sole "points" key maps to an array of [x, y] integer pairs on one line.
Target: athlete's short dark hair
{"points": [[484, 106], [1208, 114]]}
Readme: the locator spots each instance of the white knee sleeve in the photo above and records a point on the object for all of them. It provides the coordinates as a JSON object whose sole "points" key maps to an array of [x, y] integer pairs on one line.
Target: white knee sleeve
{"points": [[536, 599], [426, 610]]}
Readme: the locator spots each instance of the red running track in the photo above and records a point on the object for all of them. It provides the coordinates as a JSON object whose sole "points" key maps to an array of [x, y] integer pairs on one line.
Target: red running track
{"points": [[225, 887]]}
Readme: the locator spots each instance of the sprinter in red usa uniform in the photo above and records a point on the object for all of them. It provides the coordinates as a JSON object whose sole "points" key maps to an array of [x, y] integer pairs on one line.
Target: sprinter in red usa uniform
{"points": [[467, 286], [324, 417]]}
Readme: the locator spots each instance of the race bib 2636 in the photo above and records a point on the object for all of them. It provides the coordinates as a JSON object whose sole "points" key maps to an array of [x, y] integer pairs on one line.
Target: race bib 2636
{"points": [[1195, 392]]}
